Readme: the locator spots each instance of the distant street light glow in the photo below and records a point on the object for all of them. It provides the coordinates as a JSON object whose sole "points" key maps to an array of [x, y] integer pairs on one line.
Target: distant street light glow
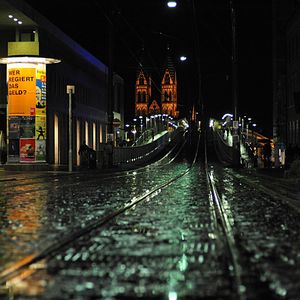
{"points": [[227, 115], [183, 57], [172, 4]]}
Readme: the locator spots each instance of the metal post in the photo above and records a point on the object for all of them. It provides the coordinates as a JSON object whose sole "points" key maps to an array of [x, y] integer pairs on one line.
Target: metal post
{"points": [[234, 61], [70, 132], [70, 91], [236, 141], [110, 81]]}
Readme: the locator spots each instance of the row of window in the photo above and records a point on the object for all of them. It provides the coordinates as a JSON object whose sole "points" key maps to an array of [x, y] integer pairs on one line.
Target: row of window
{"points": [[86, 130], [293, 48], [293, 133]]}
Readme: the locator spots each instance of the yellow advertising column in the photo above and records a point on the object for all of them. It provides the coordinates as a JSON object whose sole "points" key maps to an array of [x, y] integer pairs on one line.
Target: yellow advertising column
{"points": [[26, 114]]}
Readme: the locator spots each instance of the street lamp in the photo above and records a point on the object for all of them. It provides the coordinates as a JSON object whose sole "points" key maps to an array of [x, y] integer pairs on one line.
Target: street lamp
{"points": [[172, 4], [147, 120], [70, 91], [134, 132], [126, 132]]}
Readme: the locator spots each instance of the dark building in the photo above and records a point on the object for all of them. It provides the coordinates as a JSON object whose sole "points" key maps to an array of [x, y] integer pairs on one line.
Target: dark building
{"points": [[286, 75], [24, 32]]}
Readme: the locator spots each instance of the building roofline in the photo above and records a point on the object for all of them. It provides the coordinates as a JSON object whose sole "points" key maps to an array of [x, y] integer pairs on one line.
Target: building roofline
{"points": [[52, 29]]}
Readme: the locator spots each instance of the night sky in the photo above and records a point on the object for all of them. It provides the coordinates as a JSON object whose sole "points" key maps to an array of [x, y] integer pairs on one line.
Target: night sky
{"points": [[199, 29]]}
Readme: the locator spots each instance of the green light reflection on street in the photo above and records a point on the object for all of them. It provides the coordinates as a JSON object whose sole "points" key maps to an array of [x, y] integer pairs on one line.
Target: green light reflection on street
{"points": [[172, 295]]}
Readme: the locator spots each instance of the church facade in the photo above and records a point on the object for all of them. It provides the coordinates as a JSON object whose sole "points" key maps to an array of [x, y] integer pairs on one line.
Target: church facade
{"points": [[164, 101]]}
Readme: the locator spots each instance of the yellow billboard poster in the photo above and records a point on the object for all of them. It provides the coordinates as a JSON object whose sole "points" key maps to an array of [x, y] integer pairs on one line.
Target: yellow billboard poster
{"points": [[26, 83], [21, 82]]}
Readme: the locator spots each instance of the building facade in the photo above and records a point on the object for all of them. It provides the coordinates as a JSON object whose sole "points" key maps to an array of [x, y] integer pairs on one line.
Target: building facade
{"points": [[142, 93], [77, 67], [286, 76], [169, 93], [164, 100]]}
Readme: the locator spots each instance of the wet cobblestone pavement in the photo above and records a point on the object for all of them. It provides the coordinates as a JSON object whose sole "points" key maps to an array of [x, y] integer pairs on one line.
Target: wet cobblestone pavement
{"points": [[39, 211], [269, 231], [155, 250], [167, 247]]}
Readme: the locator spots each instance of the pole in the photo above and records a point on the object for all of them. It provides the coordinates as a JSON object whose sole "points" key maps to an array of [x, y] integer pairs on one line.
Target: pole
{"points": [[110, 78], [234, 61], [236, 141], [70, 91], [200, 102], [110, 100], [110, 65], [70, 132]]}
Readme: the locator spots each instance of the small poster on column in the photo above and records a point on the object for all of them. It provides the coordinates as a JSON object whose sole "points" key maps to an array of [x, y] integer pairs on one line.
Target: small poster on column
{"points": [[14, 127], [27, 150], [40, 128], [13, 150], [40, 154], [27, 127]]}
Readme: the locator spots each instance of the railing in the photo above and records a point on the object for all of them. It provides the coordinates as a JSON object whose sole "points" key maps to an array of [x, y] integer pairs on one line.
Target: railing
{"points": [[222, 146], [146, 135], [141, 154], [131, 156]]}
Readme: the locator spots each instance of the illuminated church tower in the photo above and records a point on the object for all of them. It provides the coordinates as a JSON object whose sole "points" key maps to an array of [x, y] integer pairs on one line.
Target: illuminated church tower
{"points": [[164, 99], [169, 89], [142, 93]]}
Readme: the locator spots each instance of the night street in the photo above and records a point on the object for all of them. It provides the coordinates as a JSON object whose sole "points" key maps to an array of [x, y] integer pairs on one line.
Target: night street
{"points": [[150, 149], [77, 241]]}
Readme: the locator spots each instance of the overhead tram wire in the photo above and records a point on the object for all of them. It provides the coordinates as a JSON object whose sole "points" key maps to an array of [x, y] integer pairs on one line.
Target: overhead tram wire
{"points": [[218, 42], [131, 52], [139, 63], [216, 20], [139, 38], [200, 102]]}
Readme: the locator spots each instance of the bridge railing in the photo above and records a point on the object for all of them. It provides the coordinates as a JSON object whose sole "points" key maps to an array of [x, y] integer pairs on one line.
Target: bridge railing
{"points": [[130, 156]]}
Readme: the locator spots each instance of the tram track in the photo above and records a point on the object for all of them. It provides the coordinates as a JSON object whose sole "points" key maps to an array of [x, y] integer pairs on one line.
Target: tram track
{"points": [[20, 179], [257, 211], [279, 191], [222, 232], [256, 207], [221, 221], [27, 266], [77, 177]]}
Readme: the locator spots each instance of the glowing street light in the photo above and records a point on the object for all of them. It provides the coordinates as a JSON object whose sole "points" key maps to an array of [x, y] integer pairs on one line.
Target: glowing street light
{"points": [[172, 4], [183, 58]]}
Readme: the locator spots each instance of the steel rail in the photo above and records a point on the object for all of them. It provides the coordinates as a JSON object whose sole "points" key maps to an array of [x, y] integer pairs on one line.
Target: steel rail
{"points": [[290, 200], [26, 267], [90, 178], [221, 219], [103, 176]]}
